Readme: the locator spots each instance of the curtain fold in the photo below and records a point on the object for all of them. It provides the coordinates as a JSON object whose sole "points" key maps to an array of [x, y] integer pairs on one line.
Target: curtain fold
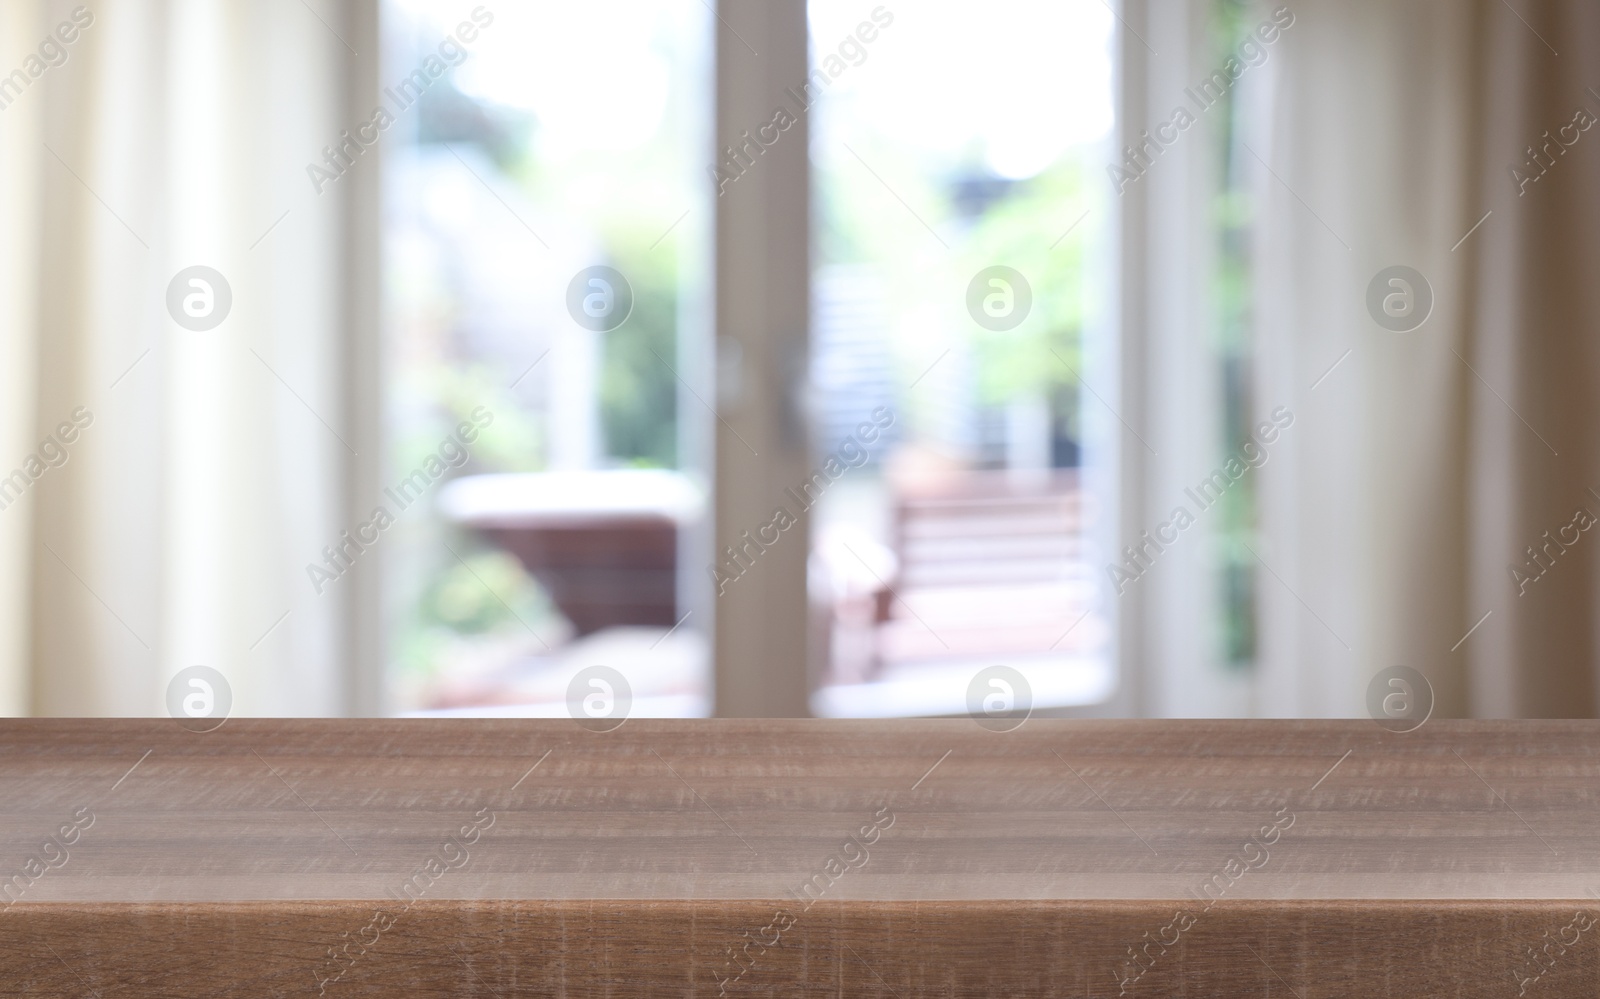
{"points": [[1429, 460], [210, 465], [1535, 338]]}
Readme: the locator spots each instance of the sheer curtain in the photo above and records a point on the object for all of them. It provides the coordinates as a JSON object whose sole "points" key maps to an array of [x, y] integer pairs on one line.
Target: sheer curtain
{"points": [[1427, 462], [176, 481], [1395, 517]]}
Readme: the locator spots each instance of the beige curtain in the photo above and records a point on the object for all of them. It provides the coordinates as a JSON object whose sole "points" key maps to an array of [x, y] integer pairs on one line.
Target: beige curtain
{"points": [[1426, 462], [218, 463]]}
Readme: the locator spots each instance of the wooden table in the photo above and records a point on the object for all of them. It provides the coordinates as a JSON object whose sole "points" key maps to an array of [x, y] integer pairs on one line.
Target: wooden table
{"points": [[888, 859]]}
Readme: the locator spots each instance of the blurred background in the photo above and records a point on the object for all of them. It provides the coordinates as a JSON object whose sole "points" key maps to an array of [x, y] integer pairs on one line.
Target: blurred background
{"points": [[783, 358]]}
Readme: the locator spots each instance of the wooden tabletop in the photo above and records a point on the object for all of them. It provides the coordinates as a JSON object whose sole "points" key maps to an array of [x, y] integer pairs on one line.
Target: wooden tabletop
{"points": [[899, 858]]}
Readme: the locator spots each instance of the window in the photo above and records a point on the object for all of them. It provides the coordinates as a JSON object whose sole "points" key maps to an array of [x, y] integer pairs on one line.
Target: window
{"points": [[546, 255], [961, 217], [548, 234]]}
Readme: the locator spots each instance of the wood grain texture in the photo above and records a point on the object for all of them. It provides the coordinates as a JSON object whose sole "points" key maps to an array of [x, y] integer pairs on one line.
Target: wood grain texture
{"points": [[895, 859]]}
